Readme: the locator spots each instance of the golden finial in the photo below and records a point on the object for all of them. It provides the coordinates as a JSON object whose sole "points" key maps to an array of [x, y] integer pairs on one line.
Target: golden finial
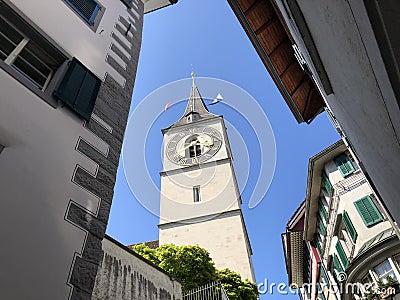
{"points": [[192, 74]]}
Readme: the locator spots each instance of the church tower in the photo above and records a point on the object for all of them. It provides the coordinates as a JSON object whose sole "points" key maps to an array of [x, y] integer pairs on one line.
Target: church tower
{"points": [[200, 200]]}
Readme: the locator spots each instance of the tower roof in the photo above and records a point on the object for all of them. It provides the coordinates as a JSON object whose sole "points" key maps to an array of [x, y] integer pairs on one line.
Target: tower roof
{"points": [[196, 109]]}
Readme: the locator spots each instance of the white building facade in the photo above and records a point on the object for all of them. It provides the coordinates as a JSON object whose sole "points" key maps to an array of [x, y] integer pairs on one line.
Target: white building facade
{"points": [[67, 71], [343, 228], [342, 56]]}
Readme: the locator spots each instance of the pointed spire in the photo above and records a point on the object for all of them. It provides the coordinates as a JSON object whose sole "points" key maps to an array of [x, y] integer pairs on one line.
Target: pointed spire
{"points": [[196, 109], [195, 104]]}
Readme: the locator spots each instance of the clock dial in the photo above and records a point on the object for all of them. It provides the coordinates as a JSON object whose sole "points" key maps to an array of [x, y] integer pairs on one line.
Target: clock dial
{"points": [[194, 145]]}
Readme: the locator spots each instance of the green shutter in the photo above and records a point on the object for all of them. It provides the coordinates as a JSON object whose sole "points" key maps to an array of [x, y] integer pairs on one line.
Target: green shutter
{"points": [[342, 254], [320, 292], [322, 209], [337, 264], [327, 184], [318, 243], [321, 225], [344, 165], [349, 226], [78, 89], [368, 211], [324, 275]]}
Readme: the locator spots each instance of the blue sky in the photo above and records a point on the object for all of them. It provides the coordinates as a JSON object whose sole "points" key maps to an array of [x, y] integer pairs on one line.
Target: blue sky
{"points": [[206, 35]]}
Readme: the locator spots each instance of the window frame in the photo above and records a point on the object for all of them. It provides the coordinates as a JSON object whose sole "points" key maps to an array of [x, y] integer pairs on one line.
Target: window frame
{"points": [[344, 165], [196, 194], [14, 17], [385, 274], [94, 21]]}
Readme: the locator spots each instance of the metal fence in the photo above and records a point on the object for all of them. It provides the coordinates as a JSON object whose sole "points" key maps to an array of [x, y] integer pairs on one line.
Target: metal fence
{"points": [[210, 291]]}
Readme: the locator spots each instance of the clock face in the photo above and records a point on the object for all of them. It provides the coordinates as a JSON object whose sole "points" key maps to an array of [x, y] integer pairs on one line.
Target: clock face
{"points": [[194, 145]]}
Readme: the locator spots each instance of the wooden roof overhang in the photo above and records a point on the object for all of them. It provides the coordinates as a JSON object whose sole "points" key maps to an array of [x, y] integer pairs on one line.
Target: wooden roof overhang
{"points": [[267, 31]]}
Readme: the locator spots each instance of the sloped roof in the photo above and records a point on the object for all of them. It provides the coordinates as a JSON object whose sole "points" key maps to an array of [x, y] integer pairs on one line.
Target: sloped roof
{"points": [[267, 31], [196, 109]]}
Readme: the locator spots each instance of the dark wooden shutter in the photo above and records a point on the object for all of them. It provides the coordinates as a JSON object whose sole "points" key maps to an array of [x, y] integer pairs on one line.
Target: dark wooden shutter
{"points": [[342, 254], [344, 165], [79, 89], [349, 226], [368, 211]]}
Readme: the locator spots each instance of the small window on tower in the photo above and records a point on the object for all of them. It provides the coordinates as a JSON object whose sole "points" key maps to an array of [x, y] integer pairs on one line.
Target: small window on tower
{"points": [[196, 193], [194, 148]]}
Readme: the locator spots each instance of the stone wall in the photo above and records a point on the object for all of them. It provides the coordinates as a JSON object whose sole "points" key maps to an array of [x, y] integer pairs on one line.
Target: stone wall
{"points": [[123, 274]]}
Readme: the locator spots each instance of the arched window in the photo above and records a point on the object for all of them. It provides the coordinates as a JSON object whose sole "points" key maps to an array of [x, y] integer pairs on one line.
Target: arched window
{"points": [[193, 144]]}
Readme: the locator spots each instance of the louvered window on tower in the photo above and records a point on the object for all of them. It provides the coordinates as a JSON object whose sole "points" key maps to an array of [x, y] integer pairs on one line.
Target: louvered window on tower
{"points": [[368, 211], [87, 9], [344, 165], [78, 89]]}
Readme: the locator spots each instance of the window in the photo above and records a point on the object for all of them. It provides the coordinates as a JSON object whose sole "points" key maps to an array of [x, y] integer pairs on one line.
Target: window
{"points": [[196, 194], [193, 145], [25, 52], [342, 254], [128, 2], [344, 164], [86, 9], [349, 227], [326, 184], [368, 211], [78, 89], [384, 270]]}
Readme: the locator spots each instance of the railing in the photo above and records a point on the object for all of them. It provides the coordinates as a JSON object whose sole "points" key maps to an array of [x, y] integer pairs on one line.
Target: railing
{"points": [[210, 291], [350, 183], [342, 187]]}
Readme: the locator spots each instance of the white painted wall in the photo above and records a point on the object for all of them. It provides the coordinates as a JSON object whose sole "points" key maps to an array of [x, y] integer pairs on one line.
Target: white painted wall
{"points": [[38, 161], [69, 31], [362, 100], [346, 203], [223, 236]]}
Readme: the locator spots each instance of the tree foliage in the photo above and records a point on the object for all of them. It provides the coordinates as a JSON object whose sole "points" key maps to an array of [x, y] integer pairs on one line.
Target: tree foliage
{"points": [[194, 267], [235, 287]]}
